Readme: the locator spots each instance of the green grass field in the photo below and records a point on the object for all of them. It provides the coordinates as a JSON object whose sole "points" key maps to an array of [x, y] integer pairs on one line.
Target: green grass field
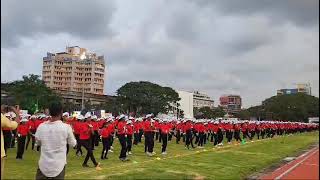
{"points": [[229, 162]]}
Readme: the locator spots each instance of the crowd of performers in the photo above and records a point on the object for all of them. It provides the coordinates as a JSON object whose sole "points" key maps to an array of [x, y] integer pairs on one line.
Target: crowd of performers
{"points": [[91, 131]]}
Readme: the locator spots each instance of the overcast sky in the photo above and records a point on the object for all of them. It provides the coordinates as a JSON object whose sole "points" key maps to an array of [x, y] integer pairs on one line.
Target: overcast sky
{"points": [[247, 47]]}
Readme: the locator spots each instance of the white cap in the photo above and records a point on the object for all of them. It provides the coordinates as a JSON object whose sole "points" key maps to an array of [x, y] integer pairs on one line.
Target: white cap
{"points": [[80, 117], [65, 114], [122, 116], [148, 115], [94, 117], [129, 122], [87, 115], [41, 116], [24, 119]]}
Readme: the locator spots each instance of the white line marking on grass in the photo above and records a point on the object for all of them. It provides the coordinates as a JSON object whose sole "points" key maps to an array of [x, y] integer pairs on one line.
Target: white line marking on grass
{"points": [[296, 165]]}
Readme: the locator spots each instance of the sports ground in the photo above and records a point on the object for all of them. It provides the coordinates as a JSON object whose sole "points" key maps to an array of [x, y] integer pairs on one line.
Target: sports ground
{"points": [[234, 161]]}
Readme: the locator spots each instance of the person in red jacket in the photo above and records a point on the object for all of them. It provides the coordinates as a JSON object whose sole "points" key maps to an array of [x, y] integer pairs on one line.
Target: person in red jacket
{"points": [[157, 128], [215, 129], [229, 131], [178, 131], [22, 130], [121, 131], [32, 131], [200, 129], [244, 129], [165, 130], [95, 127], [220, 133], [86, 132], [170, 124], [237, 128], [129, 133], [188, 130], [136, 127], [105, 133], [148, 129], [76, 131]]}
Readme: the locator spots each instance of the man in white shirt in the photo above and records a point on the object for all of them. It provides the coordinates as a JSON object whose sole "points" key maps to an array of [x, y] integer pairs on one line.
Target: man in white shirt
{"points": [[53, 136]]}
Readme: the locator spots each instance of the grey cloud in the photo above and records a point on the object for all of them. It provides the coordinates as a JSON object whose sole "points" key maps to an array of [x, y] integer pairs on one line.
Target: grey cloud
{"points": [[187, 47], [27, 19], [300, 12]]}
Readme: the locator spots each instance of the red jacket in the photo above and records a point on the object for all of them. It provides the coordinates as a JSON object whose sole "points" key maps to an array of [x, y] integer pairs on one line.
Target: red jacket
{"points": [[215, 128], [165, 128], [188, 126], [200, 128], [105, 132], [77, 127], [85, 131], [23, 129], [136, 127], [31, 125], [147, 126], [121, 127], [129, 129]]}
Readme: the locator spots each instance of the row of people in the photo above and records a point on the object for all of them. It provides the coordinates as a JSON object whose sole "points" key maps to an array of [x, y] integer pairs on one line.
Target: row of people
{"points": [[89, 131]]}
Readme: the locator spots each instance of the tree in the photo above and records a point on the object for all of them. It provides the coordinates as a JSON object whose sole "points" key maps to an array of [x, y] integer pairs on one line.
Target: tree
{"points": [[292, 107], [145, 97], [31, 93], [243, 114], [208, 113]]}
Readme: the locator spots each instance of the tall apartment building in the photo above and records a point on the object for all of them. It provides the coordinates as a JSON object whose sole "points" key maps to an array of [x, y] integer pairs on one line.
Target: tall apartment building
{"points": [[300, 88], [231, 103], [75, 70], [202, 100]]}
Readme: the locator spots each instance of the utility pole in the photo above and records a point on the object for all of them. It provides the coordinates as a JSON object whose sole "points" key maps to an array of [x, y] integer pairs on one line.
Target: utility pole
{"points": [[82, 102]]}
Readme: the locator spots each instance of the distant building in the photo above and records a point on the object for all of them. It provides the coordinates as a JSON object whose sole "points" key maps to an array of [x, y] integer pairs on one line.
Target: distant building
{"points": [[190, 100], [202, 100], [300, 88], [75, 70], [185, 104], [76, 75], [231, 103]]}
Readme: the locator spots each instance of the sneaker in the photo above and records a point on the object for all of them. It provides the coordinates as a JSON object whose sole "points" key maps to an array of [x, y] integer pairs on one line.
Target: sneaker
{"points": [[98, 168], [130, 153], [110, 151], [164, 153], [111, 147], [127, 153], [153, 153], [85, 165], [149, 154]]}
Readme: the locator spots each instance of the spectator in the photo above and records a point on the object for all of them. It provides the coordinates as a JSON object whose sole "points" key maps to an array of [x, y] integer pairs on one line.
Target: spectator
{"points": [[6, 123], [53, 137]]}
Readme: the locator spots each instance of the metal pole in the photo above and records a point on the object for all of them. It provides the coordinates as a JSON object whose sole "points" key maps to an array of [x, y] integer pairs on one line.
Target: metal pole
{"points": [[82, 102]]}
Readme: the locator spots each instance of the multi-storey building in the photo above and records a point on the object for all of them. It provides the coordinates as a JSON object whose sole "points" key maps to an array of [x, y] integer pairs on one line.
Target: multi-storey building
{"points": [[301, 88], [76, 75], [202, 100], [231, 103], [75, 70]]}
